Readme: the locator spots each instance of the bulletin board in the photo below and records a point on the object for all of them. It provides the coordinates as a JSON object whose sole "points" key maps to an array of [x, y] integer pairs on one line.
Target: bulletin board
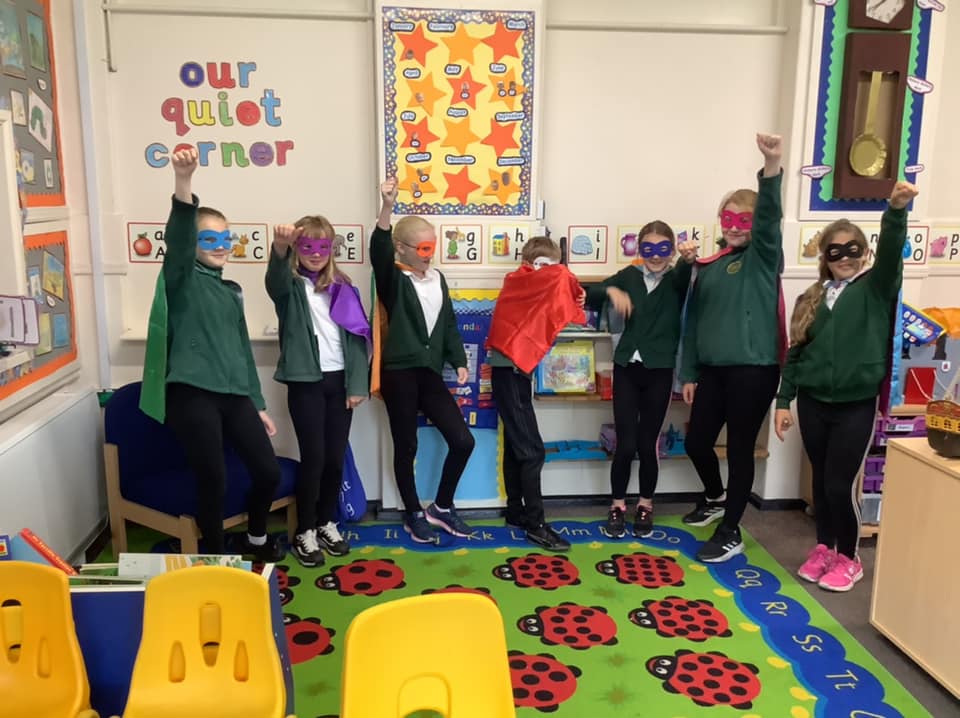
{"points": [[50, 285], [28, 89]]}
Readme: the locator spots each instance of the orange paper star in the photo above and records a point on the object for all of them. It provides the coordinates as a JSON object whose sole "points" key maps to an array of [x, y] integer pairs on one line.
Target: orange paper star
{"points": [[419, 135], [417, 182], [461, 45], [503, 42], [424, 93], [501, 137], [460, 185], [459, 135], [505, 88], [465, 85], [416, 45], [502, 185]]}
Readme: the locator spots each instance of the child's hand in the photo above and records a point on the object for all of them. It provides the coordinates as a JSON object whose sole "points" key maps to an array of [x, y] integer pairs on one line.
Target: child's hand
{"points": [[688, 392], [902, 193], [782, 421], [284, 235], [462, 375], [354, 401], [688, 251], [581, 298], [771, 146], [620, 300], [268, 424], [185, 162], [388, 190]]}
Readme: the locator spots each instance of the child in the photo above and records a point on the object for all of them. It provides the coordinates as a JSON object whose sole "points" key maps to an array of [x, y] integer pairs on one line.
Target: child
{"points": [[840, 337], [199, 372], [422, 336], [650, 297], [323, 361], [536, 302], [732, 349]]}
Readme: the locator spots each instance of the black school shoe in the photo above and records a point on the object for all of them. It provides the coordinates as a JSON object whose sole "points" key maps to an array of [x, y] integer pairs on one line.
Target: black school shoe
{"points": [[643, 522], [722, 546], [270, 552], [545, 537], [330, 540], [306, 549], [616, 526], [705, 513]]}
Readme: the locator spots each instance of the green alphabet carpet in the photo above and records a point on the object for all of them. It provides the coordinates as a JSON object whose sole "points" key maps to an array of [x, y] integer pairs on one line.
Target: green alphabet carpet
{"points": [[628, 628]]}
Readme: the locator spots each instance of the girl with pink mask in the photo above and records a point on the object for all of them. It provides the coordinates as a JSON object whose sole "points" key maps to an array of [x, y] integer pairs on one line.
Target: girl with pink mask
{"points": [[324, 360]]}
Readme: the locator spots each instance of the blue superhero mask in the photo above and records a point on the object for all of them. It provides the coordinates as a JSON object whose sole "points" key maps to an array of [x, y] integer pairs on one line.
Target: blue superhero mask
{"points": [[208, 240], [660, 249]]}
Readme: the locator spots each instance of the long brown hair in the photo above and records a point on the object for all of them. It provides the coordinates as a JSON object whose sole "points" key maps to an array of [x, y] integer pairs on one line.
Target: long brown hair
{"points": [[317, 227], [809, 302]]}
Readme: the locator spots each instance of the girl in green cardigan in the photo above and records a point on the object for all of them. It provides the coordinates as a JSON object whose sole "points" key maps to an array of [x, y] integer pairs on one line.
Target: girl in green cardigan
{"points": [[840, 337], [324, 336]]}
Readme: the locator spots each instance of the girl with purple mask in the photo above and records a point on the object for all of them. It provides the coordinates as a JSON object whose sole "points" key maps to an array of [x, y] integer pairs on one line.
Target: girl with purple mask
{"points": [[649, 296], [324, 361]]}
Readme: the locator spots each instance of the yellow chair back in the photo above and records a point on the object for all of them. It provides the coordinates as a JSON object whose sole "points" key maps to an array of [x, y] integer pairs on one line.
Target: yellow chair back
{"points": [[42, 674], [208, 649], [392, 667]]}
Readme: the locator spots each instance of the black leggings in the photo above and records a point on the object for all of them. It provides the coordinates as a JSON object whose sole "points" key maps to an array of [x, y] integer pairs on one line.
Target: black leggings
{"points": [[201, 420], [405, 392], [738, 396], [322, 422], [523, 452], [641, 398], [836, 438]]}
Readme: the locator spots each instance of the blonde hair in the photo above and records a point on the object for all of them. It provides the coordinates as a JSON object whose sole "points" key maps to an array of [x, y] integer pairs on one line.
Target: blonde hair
{"points": [[805, 310], [537, 247], [746, 198], [406, 228], [316, 226]]}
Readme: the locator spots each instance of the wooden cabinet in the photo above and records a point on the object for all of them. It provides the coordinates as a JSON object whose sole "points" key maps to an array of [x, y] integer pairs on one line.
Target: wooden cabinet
{"points": [[916, 585]]}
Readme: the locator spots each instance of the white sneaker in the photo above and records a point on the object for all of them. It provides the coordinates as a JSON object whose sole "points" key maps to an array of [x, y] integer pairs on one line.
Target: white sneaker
{"points": [[331, 540], [306, 549]]}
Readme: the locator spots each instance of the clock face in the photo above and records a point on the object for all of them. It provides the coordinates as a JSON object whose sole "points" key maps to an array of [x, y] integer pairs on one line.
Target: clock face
{"points": [[884, 10]]}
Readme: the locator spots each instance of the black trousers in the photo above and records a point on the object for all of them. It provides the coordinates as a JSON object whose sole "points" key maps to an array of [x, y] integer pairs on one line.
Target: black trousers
{"points": [[523, 453], [738, 396], [201, 420], [836, 438], [641, 398], [405, 392], [321, 420]]}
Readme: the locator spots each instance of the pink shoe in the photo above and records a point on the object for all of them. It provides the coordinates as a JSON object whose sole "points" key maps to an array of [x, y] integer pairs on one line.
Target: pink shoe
{"points": [[842, 575], [818, 562]]}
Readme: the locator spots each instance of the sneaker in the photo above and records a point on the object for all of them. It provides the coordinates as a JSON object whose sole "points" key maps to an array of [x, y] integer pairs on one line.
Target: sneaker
{"points": [[705, 513], [330, 539], [270, 552], [842, 575], [419, 529], [722, 546], [306, 549], [545, 537], [818, 562], [643, 522], [616, 526], [447, 520]]}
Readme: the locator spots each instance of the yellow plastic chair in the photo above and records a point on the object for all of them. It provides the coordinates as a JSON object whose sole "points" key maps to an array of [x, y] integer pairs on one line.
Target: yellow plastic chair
{"points": [[208, 649], [390, 668], [42, 674]]}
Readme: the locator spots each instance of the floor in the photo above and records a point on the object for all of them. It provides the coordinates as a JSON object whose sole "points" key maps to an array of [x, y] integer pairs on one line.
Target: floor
{"points": [[788, 535]]}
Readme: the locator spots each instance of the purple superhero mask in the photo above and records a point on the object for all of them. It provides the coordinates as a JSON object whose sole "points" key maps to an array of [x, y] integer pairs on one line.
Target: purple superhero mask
{"points": [[659, 249], [209, 241], [308, 246]]}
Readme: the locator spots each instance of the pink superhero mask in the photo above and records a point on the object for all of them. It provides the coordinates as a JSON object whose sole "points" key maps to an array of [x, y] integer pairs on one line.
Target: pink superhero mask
{"points": [[734, 220], [308, 246]]}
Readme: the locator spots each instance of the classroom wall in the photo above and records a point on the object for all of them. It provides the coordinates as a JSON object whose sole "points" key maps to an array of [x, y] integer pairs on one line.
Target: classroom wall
{"points": [[649, 110]]}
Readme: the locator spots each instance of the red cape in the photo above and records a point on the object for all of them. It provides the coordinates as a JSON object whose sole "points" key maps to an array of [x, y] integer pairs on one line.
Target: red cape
{"points": [[783, 338], [531, 309]]}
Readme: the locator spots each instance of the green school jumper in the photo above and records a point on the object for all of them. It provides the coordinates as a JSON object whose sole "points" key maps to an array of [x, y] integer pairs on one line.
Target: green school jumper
{"points": [[197, 332], [847, 352]]}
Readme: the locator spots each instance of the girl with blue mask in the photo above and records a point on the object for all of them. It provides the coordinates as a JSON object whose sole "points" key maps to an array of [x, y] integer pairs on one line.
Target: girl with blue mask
{"points": [[649, 297], [324, 338]]}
